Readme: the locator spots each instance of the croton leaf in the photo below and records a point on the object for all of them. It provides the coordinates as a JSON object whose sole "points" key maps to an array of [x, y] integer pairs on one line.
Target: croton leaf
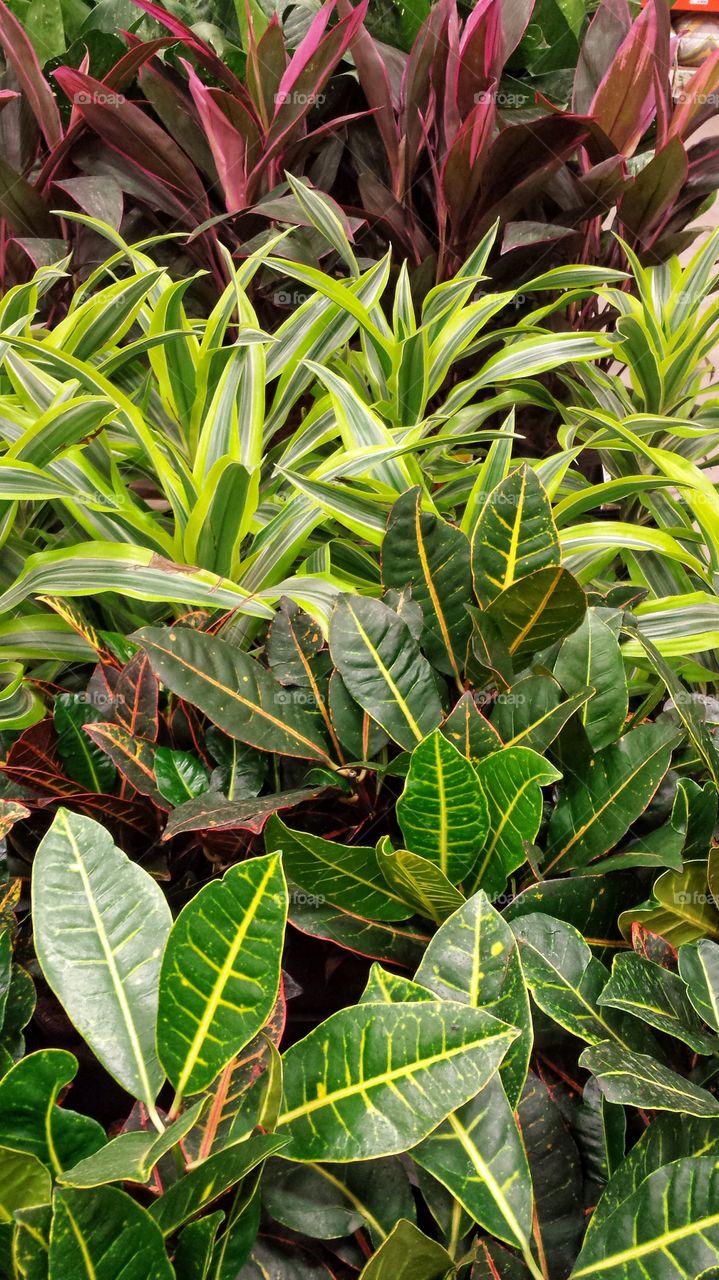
{"points": [[514, 535], [236, 692], [532, 712], [131, 1156], [636, 1080], [383, 669], [418, 881], [101, 923], [471, 734], [346, 876], [24, 1182], [537, 611], [376, 1079], [595, 809], [408, 1254], [31, 1121], [566, 981], [423, 550], [442, 811], [658, 997], [669, 1137], [328, 1202], [667, 1228], [699, 967], [474, 959], [591, 657], [211, 1179], [477, 1153], [221, 972], [511, 780], [102, 1234]]}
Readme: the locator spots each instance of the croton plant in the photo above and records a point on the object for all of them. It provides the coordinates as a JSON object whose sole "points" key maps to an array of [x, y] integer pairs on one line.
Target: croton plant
{"points": [[496, 868]]}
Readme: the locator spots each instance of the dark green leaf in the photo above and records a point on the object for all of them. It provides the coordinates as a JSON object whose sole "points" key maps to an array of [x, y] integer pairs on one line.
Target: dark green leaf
{"points": [[474, 959], [537, 611], [442, 811], [595, 810], [468, 730], [237, 694], [210, 1179], [419, 882], [179, 775], [376, 1079], [591, 657], [103, 1234], [636, 1080], [511, 780], [383, 669], [408, 1254], [346, 876], [221, 971], [658, 997], [531, 712], [422, 550], [514, 535]]}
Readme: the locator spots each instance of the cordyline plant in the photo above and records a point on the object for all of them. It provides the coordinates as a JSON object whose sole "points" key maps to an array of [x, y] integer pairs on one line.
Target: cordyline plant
{"points": [[428, 151], [525, 1086]]}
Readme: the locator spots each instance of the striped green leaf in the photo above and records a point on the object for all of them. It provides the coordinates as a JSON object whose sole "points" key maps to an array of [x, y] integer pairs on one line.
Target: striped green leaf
{"points": [[566, 981], [669, 1227], [442, 811], [346, 876], [668, 1138], [596, 808], [591, 657], [236, 692], [514, 535], [511, 780], [477, 1154], [531, 712], [424, 551], [538, 610], [418, 882], [636, 1080], [211, 1179], [474, 958], [138, 572], [24, 1183], [374, 1080], [383, 669], [101, 923], [102, 1234], [658, 997], [221, 972]]}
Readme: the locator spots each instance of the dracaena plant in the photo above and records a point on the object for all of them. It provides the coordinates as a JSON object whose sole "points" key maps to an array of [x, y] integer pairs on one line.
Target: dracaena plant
{"points": [[155, 461]]}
